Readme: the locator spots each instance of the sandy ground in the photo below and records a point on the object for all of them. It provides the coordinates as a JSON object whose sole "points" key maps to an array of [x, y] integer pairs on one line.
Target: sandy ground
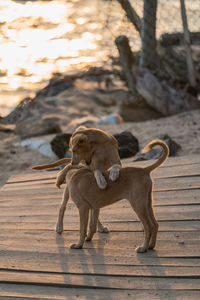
{"points": [[183, 128]]}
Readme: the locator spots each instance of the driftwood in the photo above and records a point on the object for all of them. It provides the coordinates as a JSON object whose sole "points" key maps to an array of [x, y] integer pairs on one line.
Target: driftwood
{"points": [[127, 61], [157, 94], [161, 96], [171, 39]]}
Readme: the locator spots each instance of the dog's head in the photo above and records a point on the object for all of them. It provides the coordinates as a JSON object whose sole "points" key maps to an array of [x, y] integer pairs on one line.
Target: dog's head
{"points": [[81, 149]]}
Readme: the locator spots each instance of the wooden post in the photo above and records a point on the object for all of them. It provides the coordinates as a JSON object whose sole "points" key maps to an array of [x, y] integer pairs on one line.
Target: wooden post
{"points": [[190, 66], [127, 61]]}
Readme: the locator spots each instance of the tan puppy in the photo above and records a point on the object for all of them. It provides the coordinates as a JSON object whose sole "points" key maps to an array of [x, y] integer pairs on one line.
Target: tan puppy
{"points": [[99, 150], [133, 184]]}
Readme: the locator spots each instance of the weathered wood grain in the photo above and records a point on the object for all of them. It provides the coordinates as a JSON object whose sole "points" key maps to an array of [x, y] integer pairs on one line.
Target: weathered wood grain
{"points": [[61, 293], [103, 281], [37, 263], [160, 184]]}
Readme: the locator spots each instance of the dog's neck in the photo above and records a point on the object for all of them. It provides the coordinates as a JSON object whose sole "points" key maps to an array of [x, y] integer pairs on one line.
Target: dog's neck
{"points": [[72, 169]]}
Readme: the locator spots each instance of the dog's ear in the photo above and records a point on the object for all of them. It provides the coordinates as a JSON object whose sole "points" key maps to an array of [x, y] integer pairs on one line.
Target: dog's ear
{"points": [[82, 139], [78, 140], [80, 128]]}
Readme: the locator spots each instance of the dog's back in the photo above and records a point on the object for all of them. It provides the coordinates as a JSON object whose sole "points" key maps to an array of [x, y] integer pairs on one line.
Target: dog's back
{"points": [[83, 186]]}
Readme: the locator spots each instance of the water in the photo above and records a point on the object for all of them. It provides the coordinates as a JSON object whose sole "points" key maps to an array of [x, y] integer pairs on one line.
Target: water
{"points": [[40, 38]]}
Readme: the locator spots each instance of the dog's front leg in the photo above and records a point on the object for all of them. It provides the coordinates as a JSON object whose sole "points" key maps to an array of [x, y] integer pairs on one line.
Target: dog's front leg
{"points": [[94, 214], [61, 177], [83, 213], [114, 172], [65, 198], [100, 179]]}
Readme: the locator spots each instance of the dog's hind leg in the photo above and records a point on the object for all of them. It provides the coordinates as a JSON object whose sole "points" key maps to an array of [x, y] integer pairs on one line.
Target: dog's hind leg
{"points": [[154, 223], [65, 198], [147, 231], [94, 214], [84, 214], [143, 215]]}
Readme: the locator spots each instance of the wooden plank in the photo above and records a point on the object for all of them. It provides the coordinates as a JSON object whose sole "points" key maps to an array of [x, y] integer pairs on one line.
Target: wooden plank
{"points": [[32, 176], [174, 213], [177, 183], [167, 170], [174, 171], [178, 197], [35, 262], [115, 226], [162, 172], [43, 237], [158, 282], [61, 293], [164, 248], [179, 162], [160, 184], [182, 212], [171, 161], [177, 171], [96, 262]]}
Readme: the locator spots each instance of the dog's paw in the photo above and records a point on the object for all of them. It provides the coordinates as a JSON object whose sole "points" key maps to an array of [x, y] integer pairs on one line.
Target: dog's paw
{"points": [[114, 174], [140, 249], [59, 228], [101, 182], [89, 238], [76, 246], [103, 229], [60, 180], [152, 246]]}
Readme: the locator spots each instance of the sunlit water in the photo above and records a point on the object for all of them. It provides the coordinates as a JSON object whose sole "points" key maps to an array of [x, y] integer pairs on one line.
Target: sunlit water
{"points": [[40, 38]]}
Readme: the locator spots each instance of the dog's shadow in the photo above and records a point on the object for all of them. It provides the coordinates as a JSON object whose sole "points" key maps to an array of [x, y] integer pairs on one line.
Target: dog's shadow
{"points": [[89, 261], [157, 274]]}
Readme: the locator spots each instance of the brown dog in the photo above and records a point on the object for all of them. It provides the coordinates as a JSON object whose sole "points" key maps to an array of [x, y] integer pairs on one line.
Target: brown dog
{"points": [[133, 184], [99, 150]]}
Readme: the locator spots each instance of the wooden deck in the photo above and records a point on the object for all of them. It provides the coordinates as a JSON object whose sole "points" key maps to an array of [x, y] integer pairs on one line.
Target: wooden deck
{"points": [[37, 263]]}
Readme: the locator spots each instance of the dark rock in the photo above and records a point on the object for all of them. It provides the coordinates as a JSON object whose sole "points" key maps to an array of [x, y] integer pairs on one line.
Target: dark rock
{"points": [[36, 126], [156, 152], [128, 144], [60, 144], [173, 146]]}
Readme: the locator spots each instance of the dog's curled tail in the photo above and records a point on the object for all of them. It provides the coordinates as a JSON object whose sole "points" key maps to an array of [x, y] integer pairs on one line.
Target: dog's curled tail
{"points": [[60, 162], [163, 156]]}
